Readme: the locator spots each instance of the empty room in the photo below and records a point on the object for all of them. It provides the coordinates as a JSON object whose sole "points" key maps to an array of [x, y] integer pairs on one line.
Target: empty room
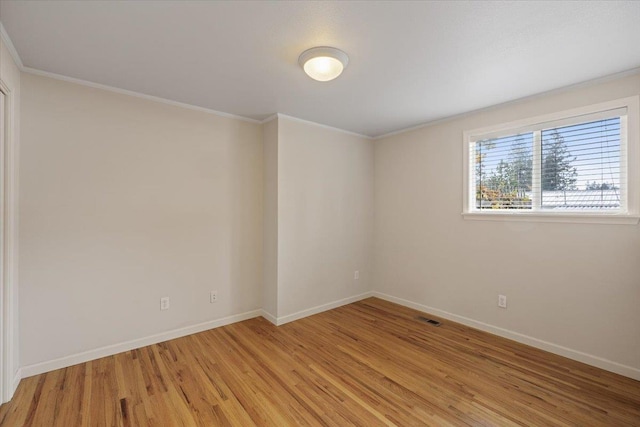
{"points": [[319, 213]]}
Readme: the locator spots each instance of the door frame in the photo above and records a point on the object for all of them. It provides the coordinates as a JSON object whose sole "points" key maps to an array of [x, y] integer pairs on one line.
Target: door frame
{"points": [[8, 224]]}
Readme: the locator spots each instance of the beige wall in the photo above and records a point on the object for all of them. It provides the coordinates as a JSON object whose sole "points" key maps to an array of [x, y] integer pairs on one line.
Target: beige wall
{"points": [[10, 77], [325, 211], [125, 201], [571, 285], [270, 224]]}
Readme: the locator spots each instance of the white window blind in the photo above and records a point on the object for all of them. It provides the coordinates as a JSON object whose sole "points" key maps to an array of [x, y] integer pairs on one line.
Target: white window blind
{"points": [[566, 165], [504, 172], [581, 166]]}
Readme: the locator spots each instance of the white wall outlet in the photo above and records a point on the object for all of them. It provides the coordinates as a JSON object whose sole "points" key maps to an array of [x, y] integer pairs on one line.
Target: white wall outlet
{"points": [[356, 275], [213, 297], [502, 301], [164, 303]]}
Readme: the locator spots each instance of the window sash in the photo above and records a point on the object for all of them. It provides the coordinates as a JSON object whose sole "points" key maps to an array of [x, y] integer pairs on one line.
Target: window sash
{"points": [[629, 213], [549, 124], [536, 193]]}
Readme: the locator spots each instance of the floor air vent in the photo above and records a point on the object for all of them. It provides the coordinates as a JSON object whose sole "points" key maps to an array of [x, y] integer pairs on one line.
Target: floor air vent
{"points": [[427, 320]]}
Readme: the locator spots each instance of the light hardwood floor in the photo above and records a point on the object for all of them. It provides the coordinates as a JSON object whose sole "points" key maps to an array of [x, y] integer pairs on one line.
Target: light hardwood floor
{"points": [[369, 363]]}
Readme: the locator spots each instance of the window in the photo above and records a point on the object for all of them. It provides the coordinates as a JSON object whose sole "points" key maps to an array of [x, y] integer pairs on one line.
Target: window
{"points": [[579, 165]]}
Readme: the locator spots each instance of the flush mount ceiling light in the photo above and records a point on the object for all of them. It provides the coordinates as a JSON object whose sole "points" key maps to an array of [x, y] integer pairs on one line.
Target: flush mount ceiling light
{"points": [[323, 63]]}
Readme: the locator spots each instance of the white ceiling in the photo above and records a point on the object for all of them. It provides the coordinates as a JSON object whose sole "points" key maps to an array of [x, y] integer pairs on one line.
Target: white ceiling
{"points": [[410, 62]]}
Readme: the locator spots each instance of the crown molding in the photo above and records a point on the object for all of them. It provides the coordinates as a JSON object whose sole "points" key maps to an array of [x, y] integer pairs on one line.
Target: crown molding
{"points": [[81, 82], [308, 122], [18, 61], [10, 47], [270, 118], [559, 90], [158, 99]]}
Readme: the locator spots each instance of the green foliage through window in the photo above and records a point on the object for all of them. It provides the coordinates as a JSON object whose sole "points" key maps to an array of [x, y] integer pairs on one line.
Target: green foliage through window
{"points": [[577, 167]]}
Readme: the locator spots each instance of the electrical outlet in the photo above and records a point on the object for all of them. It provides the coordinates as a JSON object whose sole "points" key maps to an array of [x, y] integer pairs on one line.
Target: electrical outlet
{"points": [[502, 301], [356, 275], [213, 297], [164, 303]]}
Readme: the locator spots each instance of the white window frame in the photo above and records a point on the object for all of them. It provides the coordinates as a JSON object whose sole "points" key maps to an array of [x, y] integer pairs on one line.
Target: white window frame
{"points": [[629, 161]]}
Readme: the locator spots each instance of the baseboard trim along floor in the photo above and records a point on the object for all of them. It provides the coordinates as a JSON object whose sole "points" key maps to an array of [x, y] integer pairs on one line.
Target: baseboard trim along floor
{"points": [[589, 359]]}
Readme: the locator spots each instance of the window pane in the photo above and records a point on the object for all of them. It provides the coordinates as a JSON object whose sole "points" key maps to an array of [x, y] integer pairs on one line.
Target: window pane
{"points": [[581, 166], [504, 172]]}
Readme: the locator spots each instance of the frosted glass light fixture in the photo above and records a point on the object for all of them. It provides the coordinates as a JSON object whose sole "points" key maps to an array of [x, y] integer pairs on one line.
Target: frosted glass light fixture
{"points": [[323, 63]]}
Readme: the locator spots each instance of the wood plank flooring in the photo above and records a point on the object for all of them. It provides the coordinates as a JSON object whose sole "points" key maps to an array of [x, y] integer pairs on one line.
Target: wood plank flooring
{"points": [[366, 364]]}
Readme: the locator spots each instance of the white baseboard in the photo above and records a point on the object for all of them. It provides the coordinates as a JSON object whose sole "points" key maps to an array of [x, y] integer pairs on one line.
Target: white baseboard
{"points": [[589, 359], [320, 308], [74, 359], [13, 385], [270, 317], [63, 362], [16, 381]]}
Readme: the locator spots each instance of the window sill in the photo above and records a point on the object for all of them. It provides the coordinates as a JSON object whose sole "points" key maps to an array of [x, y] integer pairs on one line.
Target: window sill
{"points": [[577, 218]]}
